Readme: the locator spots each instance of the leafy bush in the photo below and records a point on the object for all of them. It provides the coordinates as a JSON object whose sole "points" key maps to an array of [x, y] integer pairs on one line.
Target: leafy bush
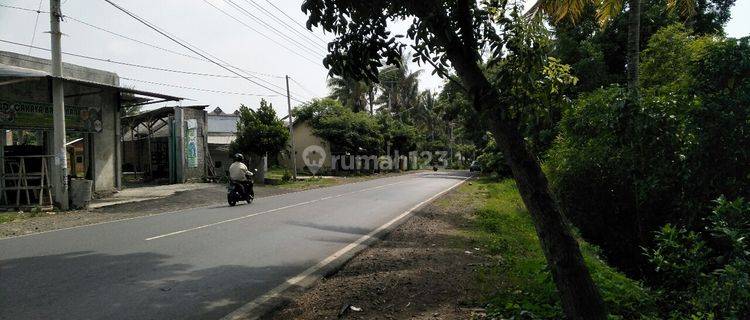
{"points": [[706, 274], [286, 177], [347, 131], [259, 132], [492, 160], [519, 285], [621, 170], [614, 169]]}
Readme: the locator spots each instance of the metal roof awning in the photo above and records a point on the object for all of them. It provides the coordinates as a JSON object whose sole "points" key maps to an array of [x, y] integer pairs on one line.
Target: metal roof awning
{"points": [[12, 74]]}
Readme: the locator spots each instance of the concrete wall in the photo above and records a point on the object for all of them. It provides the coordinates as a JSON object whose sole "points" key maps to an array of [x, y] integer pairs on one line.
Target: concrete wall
{"points": [[105, 144], [199, 172], [303, 138], [69, 70], [224, 123]]}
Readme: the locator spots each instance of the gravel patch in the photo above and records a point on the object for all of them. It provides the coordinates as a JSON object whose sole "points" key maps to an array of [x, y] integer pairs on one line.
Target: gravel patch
{"points": [[424, 269]]}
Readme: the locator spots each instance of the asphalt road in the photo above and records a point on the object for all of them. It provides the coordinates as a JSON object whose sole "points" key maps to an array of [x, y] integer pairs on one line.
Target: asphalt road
{"points": [[200, 263]]}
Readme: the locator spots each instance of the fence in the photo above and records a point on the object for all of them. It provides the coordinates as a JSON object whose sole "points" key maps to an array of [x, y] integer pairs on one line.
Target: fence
{"points": [[18, 183]]}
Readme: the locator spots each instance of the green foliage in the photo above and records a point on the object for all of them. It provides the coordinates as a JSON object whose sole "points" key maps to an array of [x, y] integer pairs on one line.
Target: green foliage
{"points": [[530, 82], [286, 177], [519, 284], [352, 94], [668, 58], [492, 159], [706, 274], [400, 136], [345, 130], [622, 171], [399, 87], [597, 55], [614, 169], [260, 132]]}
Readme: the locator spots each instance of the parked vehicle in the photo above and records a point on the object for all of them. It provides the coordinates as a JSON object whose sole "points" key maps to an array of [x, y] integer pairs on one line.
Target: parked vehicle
{"points": [[475, 166], [240, 191]]}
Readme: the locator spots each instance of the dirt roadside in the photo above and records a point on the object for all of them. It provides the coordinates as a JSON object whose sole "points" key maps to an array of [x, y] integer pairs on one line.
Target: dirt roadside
{"points": [[214, 195], [424, 269]]}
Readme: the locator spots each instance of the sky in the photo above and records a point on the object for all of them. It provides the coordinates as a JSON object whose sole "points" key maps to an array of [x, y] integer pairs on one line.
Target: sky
{"points": [[268, 56]]}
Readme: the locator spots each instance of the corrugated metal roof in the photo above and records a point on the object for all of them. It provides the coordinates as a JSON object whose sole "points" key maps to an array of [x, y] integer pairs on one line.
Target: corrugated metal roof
{"points": [[18, 72], [13, 72]]}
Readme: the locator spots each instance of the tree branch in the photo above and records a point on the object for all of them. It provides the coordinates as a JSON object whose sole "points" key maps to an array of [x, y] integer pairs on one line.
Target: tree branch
{"points": [[466, 27], [440, 70]]}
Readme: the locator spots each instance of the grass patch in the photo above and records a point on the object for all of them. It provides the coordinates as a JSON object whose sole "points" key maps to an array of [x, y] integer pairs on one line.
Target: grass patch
{"points": [[519, 284], [6, 217]]}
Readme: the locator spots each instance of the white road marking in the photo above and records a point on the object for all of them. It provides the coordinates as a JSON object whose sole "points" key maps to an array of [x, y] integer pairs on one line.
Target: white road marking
{"points": [[185, 209], [245, 312], [270, 211]]}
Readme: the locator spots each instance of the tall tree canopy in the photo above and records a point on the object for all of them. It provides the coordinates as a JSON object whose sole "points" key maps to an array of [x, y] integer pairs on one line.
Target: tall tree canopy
{"points": [[454, 33], [260, 132], [353, 94]]}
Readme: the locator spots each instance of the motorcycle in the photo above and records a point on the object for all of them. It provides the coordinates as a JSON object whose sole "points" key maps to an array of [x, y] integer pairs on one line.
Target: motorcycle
{"points": [[241, 191]]}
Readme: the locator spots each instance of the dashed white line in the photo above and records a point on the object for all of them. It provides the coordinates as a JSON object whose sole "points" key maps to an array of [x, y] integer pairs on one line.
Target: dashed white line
{"points": [[249, 310], [270, 211]]}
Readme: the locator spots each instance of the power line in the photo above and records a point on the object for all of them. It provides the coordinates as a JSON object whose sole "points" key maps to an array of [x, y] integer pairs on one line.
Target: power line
{"points": [[138, 41], [118, 62], [133, 39], [23, 9], [139, 65], [187, 46], [268, 26], [295, 21], [36, 23], [286, 25], [125, 63], [200, 89], [154, 82], [261, 33], [161, 48], [303, 88]]}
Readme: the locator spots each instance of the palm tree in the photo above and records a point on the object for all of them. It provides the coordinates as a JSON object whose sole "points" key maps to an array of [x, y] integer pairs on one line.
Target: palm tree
{"points": [[352, 94], [606, 10], [399, 88]]}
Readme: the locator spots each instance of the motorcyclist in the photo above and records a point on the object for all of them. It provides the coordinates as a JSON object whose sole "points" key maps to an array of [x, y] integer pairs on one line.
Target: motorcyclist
{"points": [[239, 173]]}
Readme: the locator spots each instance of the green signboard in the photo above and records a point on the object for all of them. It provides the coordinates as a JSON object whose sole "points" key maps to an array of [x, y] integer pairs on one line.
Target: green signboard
{"points": [[30, 115]]}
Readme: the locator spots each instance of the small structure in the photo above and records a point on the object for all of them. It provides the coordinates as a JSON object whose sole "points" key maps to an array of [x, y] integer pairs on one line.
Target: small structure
{"points": [[222, 130], [167, 145], [93, 103], [303, 138]]}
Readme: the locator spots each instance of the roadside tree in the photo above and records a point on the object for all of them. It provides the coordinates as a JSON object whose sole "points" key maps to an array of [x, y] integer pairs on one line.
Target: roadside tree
{"points": [[260, 132], [453, 33]]}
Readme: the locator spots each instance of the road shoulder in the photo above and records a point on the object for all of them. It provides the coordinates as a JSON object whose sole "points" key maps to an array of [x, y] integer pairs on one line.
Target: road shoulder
{"points": [[423, 269]]}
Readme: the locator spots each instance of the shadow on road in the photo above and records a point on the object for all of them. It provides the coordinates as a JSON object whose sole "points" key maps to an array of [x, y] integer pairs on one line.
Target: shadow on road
{"points": [[88, 285]]}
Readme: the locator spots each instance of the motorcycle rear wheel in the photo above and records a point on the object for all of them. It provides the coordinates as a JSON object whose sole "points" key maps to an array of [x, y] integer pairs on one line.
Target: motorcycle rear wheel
{"points": [[231, 200]]}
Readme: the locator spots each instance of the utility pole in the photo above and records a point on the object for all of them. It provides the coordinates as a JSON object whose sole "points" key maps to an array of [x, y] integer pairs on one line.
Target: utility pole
{"points": [[292, 154], [60, 167]]}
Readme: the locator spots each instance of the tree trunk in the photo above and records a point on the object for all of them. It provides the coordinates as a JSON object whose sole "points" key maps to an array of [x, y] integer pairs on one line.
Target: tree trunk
{"points": [[579, 295], [633, 50]]}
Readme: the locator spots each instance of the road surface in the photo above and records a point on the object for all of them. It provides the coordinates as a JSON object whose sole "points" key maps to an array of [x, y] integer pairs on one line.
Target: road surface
{"points": [[201, 263]]}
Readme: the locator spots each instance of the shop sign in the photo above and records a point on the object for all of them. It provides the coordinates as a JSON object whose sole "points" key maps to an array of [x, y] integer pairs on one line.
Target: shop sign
{"points": [[191, 143], [30, 115]]}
